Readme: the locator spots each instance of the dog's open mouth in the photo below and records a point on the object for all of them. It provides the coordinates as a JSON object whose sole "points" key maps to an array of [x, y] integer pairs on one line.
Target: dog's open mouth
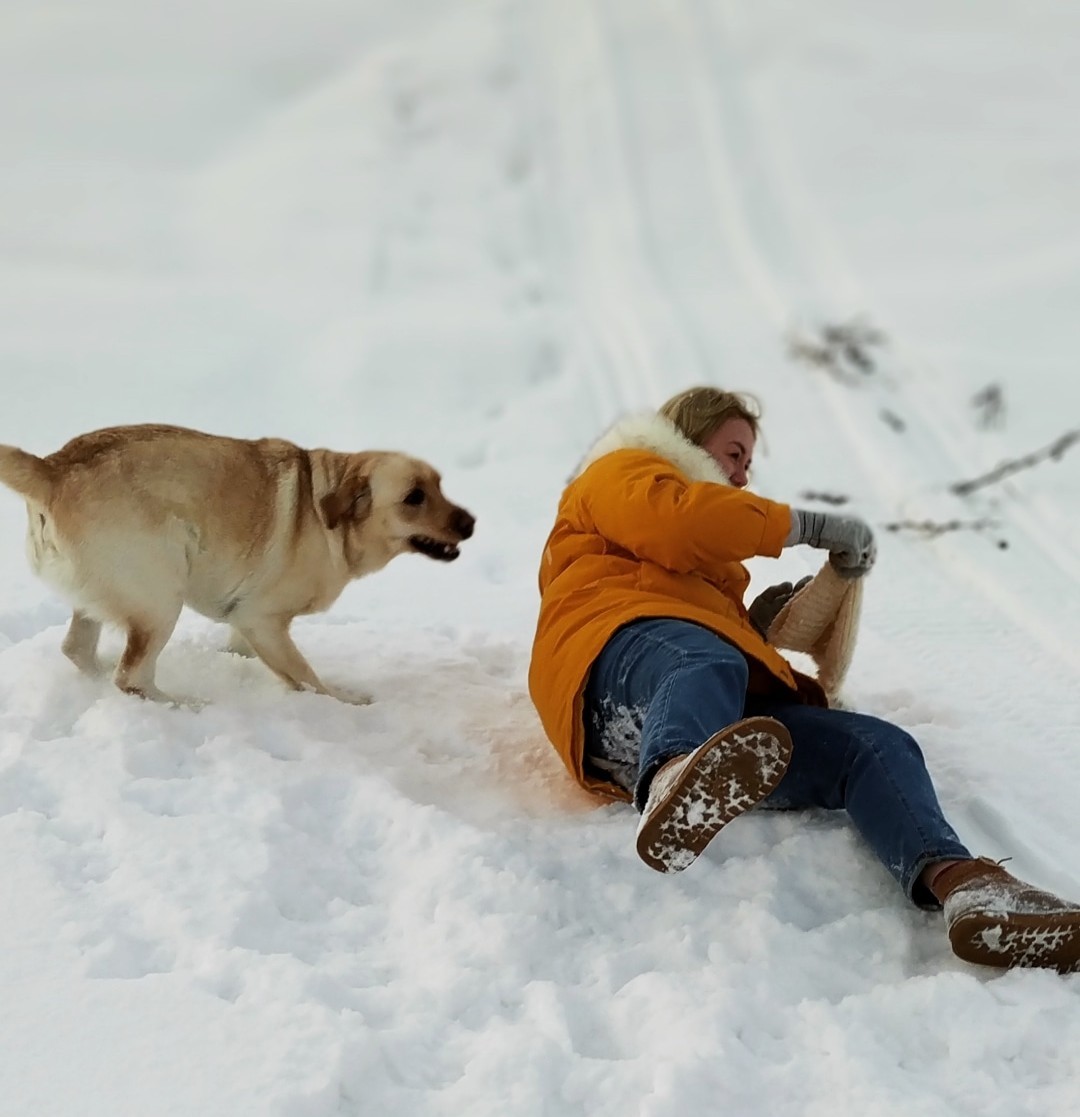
{"points": [[444, 552]]}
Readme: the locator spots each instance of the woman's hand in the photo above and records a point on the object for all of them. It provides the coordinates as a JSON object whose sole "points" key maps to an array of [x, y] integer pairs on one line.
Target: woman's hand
{"points": [[849, 540], [767, 605]]}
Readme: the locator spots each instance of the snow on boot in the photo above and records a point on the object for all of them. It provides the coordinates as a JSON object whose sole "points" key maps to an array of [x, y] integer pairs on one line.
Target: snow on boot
{"points": [[693, 797], [994, 919]]}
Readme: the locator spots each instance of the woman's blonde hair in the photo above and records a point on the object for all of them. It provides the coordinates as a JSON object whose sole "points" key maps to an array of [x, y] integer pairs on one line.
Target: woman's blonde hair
{"points": [[697, 412]]}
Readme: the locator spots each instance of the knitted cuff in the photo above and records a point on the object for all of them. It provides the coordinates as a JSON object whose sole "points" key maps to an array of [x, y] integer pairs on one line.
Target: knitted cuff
{"points": [[796, 529]]}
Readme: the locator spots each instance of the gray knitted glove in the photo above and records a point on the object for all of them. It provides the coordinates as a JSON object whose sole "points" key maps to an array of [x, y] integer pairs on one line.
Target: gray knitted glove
{"points": [[849, 541], [767, 605]]}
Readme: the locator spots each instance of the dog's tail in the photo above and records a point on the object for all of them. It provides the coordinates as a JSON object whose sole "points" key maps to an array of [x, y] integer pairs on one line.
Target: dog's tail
{"points": [[28, 475]]}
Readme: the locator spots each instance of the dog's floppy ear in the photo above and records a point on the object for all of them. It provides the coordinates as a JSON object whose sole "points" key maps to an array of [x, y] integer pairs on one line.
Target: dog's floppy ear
{"points": [[351, 500]]}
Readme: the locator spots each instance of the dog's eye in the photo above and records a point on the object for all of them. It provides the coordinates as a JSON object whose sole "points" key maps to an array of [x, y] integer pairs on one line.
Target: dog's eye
{"points": [[414, 496]]}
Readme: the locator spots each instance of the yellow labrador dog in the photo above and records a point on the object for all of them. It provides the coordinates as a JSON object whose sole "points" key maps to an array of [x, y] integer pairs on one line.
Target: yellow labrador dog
{"points": [[132, 523]]}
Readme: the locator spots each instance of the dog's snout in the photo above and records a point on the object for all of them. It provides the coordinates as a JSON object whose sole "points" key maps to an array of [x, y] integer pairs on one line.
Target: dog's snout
{"points": [[463, 523]]}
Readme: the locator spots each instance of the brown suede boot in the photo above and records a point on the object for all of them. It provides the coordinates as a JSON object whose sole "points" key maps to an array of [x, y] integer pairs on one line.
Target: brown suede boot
{"points": [[694, 796], [994, 919]]}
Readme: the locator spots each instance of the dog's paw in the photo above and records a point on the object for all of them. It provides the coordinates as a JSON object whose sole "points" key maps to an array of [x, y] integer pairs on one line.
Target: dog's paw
{"points": [[194, 705], [239, 646], [173, 701], [353, 697], [147, 692]]}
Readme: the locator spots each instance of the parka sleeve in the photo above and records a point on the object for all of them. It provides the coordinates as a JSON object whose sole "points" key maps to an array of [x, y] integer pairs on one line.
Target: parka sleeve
{"points": [[640, 503]]}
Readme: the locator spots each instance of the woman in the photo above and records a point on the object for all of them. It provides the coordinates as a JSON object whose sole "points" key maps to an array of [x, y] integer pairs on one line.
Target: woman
{"points": [[656, 685]]}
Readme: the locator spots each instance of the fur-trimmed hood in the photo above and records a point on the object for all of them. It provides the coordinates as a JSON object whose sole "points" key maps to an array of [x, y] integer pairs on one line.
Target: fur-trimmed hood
{"points": [[659, 435]]}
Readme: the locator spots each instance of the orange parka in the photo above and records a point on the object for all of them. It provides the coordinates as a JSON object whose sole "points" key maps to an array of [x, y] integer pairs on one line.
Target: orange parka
{"points": [[649, 527]]}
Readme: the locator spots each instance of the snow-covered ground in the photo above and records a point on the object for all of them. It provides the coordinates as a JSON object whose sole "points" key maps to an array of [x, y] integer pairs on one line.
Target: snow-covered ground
{"points": [[479, 232]]}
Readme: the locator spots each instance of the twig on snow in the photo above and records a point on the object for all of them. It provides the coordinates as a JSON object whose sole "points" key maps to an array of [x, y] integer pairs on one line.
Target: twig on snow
{"points": [[1054, 451], [989, 405], [933, 528], [824, 498], [843, 349]]}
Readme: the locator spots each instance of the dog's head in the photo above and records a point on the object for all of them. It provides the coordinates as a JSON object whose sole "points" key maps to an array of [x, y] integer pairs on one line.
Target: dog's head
{"points": [[390, 501]]}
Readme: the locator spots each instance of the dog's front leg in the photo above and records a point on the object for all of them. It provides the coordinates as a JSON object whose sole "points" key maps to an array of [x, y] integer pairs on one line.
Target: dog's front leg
{"points": [[270, 640], [239, 645]]}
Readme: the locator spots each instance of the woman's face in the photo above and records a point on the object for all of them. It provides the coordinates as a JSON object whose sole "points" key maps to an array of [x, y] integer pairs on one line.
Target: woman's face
{"points": [[731, 446]]}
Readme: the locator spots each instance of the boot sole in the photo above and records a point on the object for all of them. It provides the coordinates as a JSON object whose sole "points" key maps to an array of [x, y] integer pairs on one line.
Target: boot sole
{"points": [[1037, 940], [732, 772]]}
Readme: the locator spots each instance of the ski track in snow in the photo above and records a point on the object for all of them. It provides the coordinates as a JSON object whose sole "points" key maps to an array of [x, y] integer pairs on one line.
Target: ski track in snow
{"points": [[538, 217]]}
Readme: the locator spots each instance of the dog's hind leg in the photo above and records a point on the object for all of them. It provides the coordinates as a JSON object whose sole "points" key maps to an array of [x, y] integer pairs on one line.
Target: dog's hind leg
{"points": [[146, 636], [270, 640], [80, 643]]}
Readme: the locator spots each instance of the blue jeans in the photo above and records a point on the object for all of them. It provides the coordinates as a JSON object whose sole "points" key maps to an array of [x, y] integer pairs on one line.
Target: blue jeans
{"points": [[661, 687]]}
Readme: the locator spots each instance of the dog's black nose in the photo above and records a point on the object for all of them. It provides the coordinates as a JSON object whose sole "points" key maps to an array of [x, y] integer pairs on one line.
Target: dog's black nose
{"points": [[463, 523]]}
